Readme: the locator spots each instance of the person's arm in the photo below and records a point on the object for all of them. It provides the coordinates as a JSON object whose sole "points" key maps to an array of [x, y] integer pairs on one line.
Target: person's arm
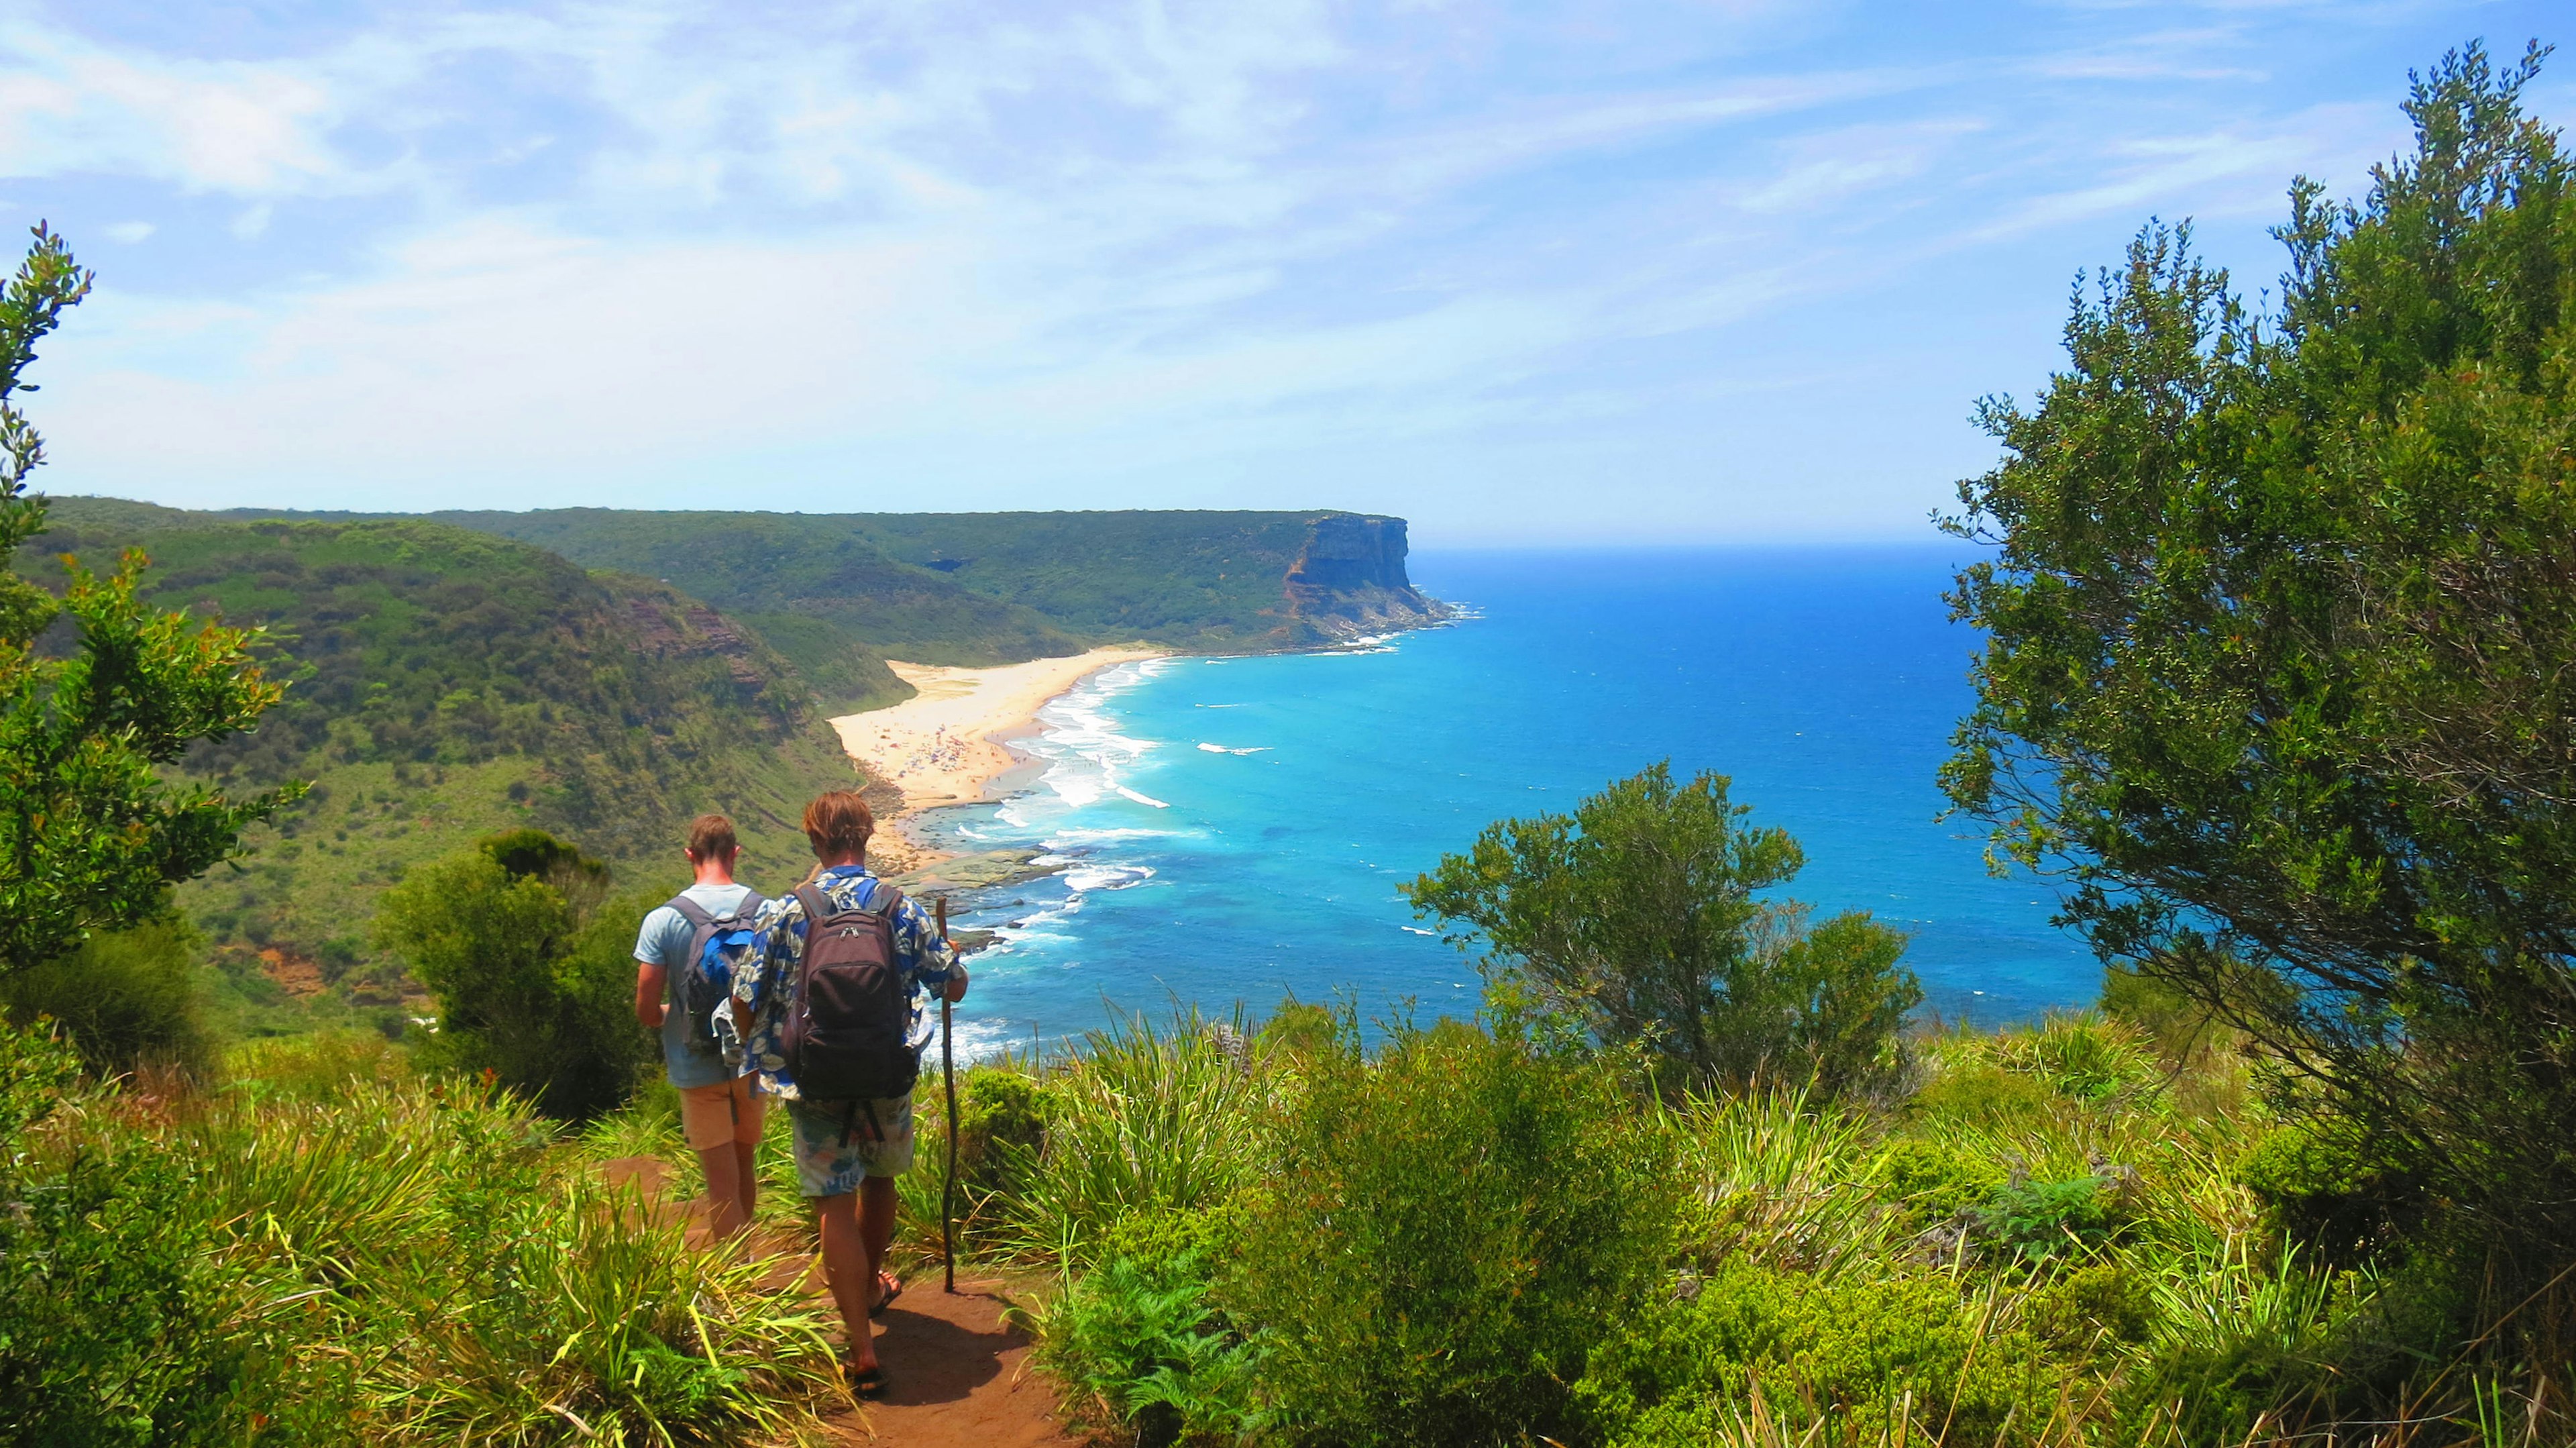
{"points": [[934, 961], [650, 980]]}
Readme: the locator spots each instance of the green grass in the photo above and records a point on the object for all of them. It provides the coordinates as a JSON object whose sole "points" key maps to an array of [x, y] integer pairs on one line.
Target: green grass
{"points": [[2043, 1241], [371, 1256]]}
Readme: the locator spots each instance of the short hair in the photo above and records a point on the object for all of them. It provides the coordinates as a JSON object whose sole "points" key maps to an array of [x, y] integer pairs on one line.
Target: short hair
{"points": [[839, 823], [711, 838]]}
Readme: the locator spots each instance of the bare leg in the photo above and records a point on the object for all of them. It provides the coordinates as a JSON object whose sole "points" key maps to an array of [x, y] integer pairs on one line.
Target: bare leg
{"points": [[748, 1174], [726, 1190], [877, 1203], [845, 1267]]}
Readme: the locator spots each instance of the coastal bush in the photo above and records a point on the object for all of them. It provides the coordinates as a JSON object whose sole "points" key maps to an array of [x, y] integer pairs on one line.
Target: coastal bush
{"points": [[129, 1000], [1886, 1358], [1440, 1231], [391, 1261], [530, 985], [2277, 634], [1635, 917], [93, 827], [1936, 1181], [112, 1301], [1139, 1344], [2038, 1221]]}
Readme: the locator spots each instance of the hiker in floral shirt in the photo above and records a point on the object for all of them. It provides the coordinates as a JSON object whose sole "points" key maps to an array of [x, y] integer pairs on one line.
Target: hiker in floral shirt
{"points": [[848, 1153]]}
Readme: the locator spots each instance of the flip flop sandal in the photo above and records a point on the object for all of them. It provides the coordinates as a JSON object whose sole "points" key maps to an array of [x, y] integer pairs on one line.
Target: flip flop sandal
{"points": [[869, 1384], [893, 1291]]}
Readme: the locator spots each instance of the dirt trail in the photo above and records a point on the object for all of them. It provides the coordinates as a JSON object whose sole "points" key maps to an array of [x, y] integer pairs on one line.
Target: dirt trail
{"points": [[956, 1376]]}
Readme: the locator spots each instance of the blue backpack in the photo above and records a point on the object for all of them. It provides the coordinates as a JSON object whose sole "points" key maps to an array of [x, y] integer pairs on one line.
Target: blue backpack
{"points": [[719, 944]]}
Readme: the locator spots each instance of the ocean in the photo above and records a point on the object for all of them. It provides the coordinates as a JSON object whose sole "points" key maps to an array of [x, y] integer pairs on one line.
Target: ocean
{"points": [[1234, 830]]}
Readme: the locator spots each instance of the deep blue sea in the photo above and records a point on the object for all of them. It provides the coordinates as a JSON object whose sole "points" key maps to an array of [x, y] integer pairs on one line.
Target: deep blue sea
{"points": [[1234, 830]]}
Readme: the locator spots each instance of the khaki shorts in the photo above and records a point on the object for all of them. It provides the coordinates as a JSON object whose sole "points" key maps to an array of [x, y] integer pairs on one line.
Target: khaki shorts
{"points": [[837, 1146], [729, 1111]]}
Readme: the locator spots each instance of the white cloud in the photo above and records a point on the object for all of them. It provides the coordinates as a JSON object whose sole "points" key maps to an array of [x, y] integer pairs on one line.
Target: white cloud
{"points": [[128, 232], [67, 106], [584, 253]]}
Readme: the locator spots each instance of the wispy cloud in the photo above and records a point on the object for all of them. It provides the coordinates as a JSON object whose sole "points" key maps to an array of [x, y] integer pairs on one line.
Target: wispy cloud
{"points": [[1420, 257]]}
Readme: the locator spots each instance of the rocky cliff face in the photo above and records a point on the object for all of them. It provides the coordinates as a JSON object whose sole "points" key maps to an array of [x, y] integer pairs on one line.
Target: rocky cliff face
{"points": [[1349, 580]]}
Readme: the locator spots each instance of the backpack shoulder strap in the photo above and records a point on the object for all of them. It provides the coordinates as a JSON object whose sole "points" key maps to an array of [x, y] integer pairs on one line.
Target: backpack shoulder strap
{"points": [[817, 908], [691, 911], [887, 899]]}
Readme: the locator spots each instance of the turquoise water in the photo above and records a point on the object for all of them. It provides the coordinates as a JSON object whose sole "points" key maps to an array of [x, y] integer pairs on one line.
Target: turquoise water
{"points": [[1235, 829]]}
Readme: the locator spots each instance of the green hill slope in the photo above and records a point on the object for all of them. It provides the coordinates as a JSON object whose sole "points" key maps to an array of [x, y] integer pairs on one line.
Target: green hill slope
{"points": [[449, 684], [809, 584], [984, 588], [837, 593]]}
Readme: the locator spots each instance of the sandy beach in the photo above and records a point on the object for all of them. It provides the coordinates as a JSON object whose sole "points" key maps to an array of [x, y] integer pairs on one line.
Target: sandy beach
{"points": [[945, 744]]}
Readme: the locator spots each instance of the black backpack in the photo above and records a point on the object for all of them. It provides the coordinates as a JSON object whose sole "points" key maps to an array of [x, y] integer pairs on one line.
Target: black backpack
{"points": [[717, 945], [849, 1024]]}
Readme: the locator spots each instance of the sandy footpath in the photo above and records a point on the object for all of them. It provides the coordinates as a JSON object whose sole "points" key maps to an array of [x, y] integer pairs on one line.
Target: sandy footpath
{"points": [[942, 745]]}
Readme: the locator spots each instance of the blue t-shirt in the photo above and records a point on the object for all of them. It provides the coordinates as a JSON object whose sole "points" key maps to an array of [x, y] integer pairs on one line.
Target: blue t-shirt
{"points": [[664, 941]]}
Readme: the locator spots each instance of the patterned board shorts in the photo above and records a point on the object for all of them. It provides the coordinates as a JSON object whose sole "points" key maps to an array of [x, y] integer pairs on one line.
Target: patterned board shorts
{"points": [[836, 1147]]}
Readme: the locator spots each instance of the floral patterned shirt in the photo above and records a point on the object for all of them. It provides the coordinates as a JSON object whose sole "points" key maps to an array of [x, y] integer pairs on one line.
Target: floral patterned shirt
{"points": [[761, 996]]}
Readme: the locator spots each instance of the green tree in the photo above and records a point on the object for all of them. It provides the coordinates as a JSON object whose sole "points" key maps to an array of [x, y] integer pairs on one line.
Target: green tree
{"points": [[128, 998], [1636, 916], [92, 831], [533, 974], [2280, 660]]}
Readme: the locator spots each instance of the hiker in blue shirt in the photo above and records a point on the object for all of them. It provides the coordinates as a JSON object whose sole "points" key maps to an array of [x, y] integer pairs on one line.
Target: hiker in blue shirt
{"points": [[833, 1025], [720, 1103]]}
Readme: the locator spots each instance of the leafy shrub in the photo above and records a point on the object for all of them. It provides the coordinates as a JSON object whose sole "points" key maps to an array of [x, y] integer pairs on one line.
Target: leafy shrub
{"points": [[1001, 1124], [1635, 918], [2090, 1309], [131, 999], [2039, 1220], [2324, 1189], [1139, 1342], [1299, 1029], [530, 987], [1441, 1232], [1934, 1180], [1975, 1092], [112, 1302], [1869, 1354]]}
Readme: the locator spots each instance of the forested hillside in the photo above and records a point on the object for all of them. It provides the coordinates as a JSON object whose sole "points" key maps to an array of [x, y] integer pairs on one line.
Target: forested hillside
{"points": [[448, 684], [947, 587], [810, 585]]}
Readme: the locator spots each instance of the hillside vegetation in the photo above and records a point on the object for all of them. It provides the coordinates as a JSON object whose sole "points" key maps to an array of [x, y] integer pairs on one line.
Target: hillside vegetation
{"points": [[969, 588], [448, 684]]}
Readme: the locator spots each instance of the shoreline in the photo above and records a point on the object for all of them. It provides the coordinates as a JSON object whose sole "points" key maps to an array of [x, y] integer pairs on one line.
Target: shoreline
{"points": [[951, 743]]}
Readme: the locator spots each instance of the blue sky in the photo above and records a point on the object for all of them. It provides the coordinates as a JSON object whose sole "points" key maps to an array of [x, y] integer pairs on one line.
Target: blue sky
{"points": [[1593, 272]]}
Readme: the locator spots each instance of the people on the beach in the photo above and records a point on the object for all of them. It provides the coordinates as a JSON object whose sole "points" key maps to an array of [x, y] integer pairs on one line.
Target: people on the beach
{"points": [[705, 931], [881, 951]]}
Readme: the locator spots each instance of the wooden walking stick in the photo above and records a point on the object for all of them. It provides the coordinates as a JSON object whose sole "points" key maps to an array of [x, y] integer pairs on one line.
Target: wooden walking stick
{"points": [[948, 1068]]}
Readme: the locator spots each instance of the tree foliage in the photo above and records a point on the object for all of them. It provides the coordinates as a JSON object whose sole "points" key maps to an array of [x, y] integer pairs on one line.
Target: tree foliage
{"points": [[91, 833], [1636, 916], [2281, 645], [532, 972]]}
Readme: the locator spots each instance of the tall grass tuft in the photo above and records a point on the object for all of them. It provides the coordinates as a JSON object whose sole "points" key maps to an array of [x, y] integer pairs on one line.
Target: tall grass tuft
{"points": [[367, 1256], [1143, 1119]]}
